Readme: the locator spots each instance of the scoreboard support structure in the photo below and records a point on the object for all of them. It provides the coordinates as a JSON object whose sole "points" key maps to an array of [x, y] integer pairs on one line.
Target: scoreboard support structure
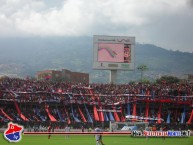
{"points": [[113, 76]]}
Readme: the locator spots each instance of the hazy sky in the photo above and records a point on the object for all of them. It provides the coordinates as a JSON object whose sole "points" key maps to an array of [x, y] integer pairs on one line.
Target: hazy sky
{"points": [[166, 23]]}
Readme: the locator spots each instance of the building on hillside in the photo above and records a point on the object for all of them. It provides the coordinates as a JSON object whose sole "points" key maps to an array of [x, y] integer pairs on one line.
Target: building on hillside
{"points": [[63, 75], [187, 78], [190, 78]]}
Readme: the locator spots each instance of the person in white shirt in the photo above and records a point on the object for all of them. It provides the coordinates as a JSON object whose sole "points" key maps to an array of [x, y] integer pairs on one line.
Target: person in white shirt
{"points": [[98, 137], [67, 129]]}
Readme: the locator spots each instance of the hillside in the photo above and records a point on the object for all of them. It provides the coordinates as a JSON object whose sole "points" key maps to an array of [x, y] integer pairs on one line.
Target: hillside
{"points": [[25, 56]]}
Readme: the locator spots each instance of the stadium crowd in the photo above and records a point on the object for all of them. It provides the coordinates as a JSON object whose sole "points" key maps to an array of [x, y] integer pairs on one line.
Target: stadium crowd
{"points": [[32, 85], [30, 90]]}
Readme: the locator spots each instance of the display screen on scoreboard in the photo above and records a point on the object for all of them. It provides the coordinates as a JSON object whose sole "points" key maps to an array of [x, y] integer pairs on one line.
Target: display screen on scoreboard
{"points": [[113, 52], [108, 52]]}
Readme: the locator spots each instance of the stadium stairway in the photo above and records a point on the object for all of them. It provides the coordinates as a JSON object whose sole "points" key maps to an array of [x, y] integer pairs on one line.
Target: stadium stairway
{"points": [[134, 111], [68, 116], [74, 116], [106, 117], [96, 116], [19, 112], [191, 118], [5, 114], [168, 118], [81, 114], [116, 117], [60, 116], [183, 116], [122, 114], [52, 118], [111, 116], [101, 115], [88, 115], [159, 113], [1, 118], [14, 95], [147, 111], [37, 111], [128, 109]]}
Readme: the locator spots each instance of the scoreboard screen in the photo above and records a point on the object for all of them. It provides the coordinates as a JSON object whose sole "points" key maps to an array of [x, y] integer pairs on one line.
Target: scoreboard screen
{"points": [[113, 52]]}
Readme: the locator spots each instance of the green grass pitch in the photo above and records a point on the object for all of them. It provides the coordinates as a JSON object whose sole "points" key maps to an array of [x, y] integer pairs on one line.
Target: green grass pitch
{"points": [[90, 140]]}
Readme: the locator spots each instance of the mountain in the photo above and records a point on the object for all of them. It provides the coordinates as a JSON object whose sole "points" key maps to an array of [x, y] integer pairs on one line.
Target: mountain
{"points": [[25, 56]]}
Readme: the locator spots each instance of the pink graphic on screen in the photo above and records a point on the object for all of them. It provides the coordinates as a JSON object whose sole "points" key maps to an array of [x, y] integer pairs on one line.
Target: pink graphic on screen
{"points": [[110, 52]]}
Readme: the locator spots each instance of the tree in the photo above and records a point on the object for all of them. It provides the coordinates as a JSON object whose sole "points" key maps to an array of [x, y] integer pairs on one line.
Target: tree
{"points": [[142, 68], [168, 79]]}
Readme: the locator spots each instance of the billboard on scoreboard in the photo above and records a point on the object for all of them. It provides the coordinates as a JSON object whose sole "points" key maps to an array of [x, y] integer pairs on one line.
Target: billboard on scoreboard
{"points": [[113, 52]]}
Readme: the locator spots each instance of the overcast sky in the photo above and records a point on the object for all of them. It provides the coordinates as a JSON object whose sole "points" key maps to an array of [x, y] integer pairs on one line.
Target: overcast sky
{"points": [[165, 23]]}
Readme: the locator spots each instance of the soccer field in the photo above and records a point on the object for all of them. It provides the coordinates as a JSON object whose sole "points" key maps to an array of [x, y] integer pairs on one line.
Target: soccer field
{"points": [[90, 140]]}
